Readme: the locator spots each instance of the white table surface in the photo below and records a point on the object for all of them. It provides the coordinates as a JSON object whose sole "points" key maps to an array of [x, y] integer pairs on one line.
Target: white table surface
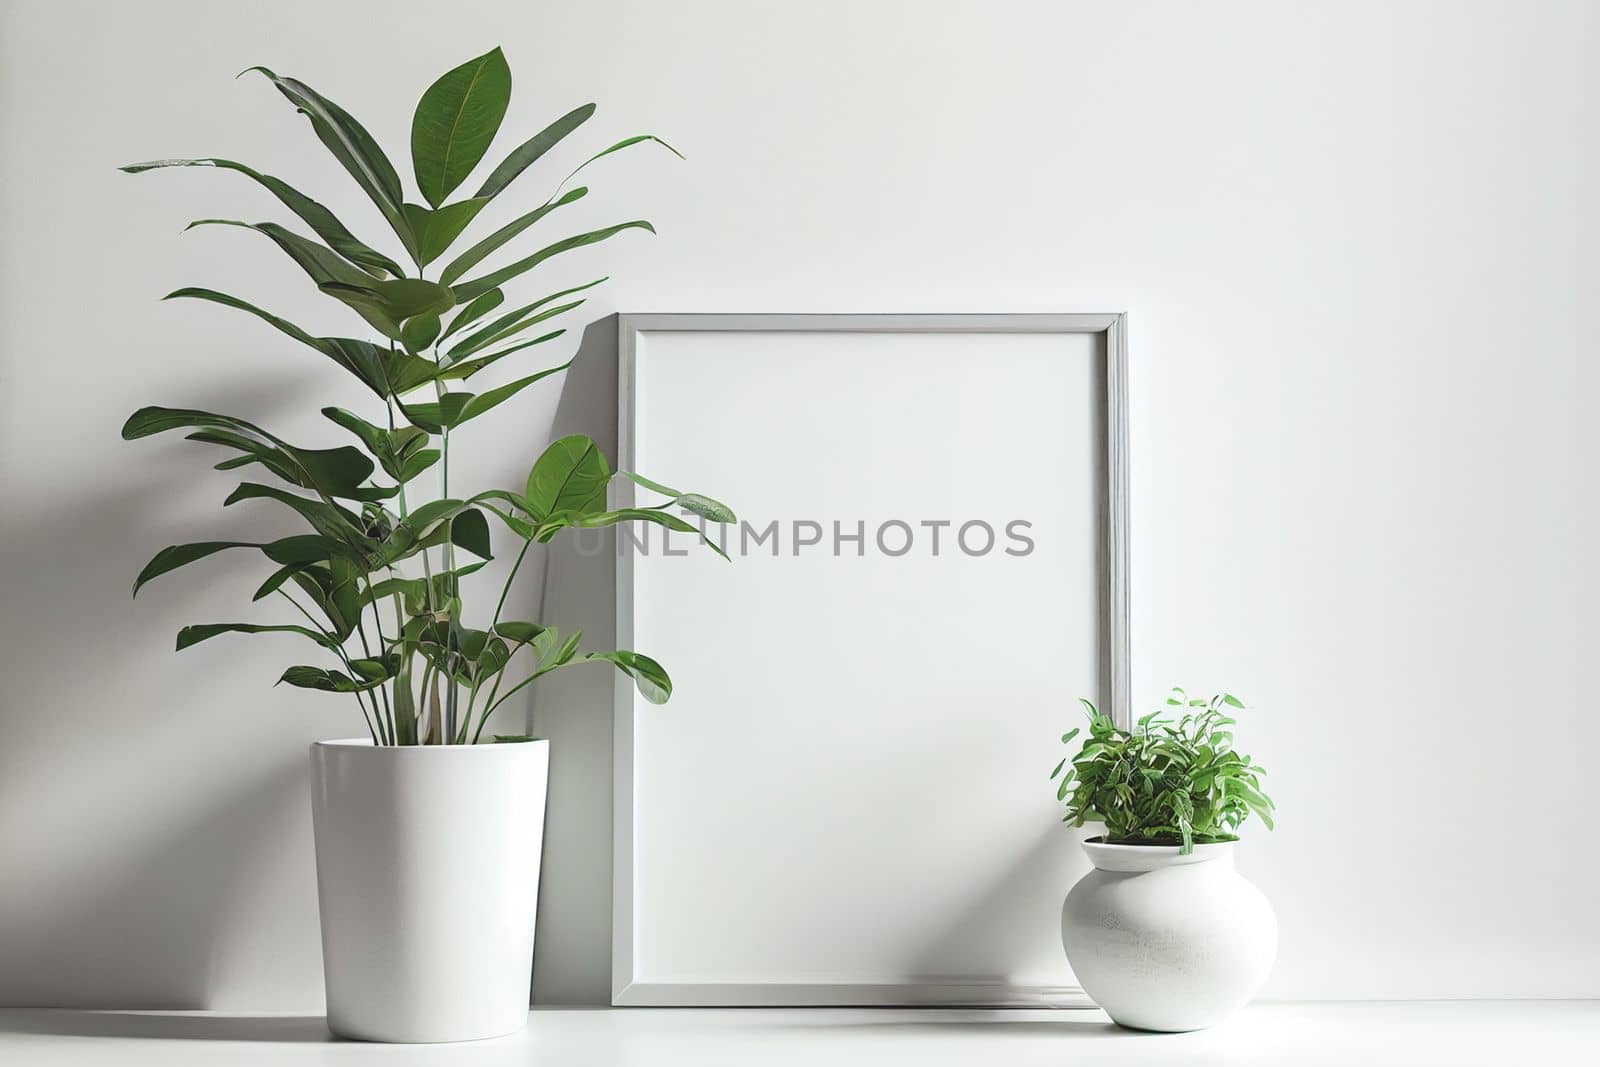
{"points": [[1348, 1034]]}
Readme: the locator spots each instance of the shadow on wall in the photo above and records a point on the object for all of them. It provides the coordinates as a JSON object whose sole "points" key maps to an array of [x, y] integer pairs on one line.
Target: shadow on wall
{"points": [[572, 954], [125, 861]]}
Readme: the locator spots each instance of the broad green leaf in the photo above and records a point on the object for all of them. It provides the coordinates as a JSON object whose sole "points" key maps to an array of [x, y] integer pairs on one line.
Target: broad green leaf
{"points": [[333, 472], [385, 373], [474, 311], [492, 280], [434, 523], [352, 146], [1232, 701], [420, 331], [455, 121], [397, 299], [571, 475], [326, 681], [322, 221], [456, 408], [496, 240], [470, 530], [329, 520], [174, 556], [529, 151], [298, 549], [193, 635], [437, 230], [648, 676], [416, 463]]}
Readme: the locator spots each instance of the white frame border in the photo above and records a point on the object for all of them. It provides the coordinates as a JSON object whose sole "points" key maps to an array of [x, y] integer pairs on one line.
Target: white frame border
{"points": [[625, 989]]}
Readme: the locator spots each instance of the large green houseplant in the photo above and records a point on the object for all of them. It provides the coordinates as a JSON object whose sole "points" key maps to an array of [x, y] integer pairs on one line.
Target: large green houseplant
{"points": [[428, 844], [380, 547]]}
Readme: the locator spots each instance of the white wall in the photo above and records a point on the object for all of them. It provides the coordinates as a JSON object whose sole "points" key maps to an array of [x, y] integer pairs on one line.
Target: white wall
{"points": [[1359, 246]]}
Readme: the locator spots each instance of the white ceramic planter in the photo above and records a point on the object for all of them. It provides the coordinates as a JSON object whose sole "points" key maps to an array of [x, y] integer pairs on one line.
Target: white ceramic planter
{"points": [[428, 880], [1167, 942]]}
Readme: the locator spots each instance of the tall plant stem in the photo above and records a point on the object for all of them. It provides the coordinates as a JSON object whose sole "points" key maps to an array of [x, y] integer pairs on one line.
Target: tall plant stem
{"points": [[500, 605], [506, 589], [361, 628], [449, 555]]}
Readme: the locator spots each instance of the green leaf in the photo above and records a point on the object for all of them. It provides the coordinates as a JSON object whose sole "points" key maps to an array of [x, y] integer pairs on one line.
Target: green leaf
{"points": [[193, 635], [626, 142], [512, 739], [332, 472], [279, 576], [384, 373], [455, 121], [648, 676], [282, 325], [397, 299], [1059, 767], [571, 475], [327, 519], [1232, 701], [420, 331], [325, 681], [416, 463], [651, 515], [530, 150], [470, 530], [298, 549], [437, 230], [393, 449], [351, 145], [492, 280], [490, 333], [655, 487], [322, 221], [468, 367], [174, 556], [501, 330], [456, 408], [474, 311], [480, 251]]}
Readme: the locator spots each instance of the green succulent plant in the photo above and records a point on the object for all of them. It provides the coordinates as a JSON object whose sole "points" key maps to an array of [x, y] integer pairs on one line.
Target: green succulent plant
{"points": [[425, 676], [1165, 782]]}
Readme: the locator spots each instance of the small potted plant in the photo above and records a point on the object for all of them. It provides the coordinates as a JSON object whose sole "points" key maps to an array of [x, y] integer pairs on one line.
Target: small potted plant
{"points": [[427, 831], [1164, 933]]}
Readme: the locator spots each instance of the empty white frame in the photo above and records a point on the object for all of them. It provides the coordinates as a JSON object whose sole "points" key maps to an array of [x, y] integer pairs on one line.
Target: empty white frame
{"points": [[846, 800]]}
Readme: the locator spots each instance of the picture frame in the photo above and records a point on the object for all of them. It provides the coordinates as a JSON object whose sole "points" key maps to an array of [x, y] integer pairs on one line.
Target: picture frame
{"points": [[813, 913]]}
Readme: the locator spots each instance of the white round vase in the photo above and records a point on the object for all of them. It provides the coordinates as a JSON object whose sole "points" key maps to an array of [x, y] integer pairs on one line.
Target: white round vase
{"points": [[1167, 942], [428, 881]]}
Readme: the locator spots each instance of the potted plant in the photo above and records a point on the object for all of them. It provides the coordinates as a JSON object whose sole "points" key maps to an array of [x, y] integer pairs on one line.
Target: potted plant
{"points": [[427, 832], [1164, 933]]}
